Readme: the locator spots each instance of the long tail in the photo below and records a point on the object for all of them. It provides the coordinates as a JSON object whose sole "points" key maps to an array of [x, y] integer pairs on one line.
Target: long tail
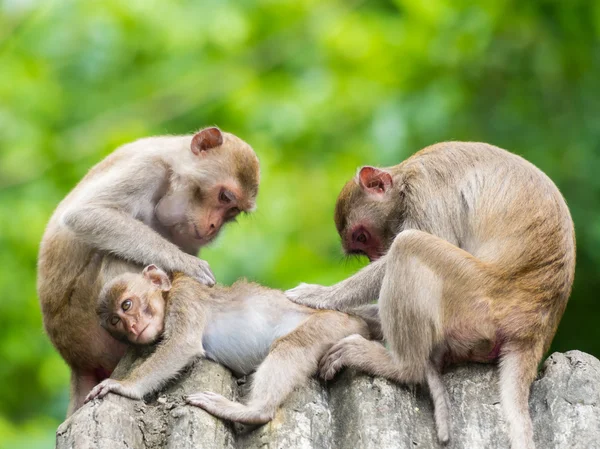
{"points": [[518, 367], [441, 403]]}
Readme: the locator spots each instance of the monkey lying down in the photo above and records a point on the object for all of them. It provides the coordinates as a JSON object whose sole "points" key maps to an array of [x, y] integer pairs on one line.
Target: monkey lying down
{"points": [[287, 340]]}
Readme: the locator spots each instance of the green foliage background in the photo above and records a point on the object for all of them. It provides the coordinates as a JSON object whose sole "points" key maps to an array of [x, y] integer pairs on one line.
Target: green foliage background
{"points": [[318, 88]]}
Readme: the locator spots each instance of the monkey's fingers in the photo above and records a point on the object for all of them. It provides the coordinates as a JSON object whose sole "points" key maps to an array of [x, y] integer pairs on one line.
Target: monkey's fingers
{"points": [[202, 273], [332, 362], [306, 294], [206, 400], [99, 391]]}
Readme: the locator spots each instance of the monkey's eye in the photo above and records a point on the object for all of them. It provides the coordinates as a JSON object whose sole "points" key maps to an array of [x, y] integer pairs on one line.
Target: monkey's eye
{"points": [[126, 305], [115, 320], [226, 197], [361, 236]]}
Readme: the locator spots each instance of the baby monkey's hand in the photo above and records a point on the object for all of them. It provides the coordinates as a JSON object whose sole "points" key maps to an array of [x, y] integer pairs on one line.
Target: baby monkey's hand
{"points": [[113, 386]]}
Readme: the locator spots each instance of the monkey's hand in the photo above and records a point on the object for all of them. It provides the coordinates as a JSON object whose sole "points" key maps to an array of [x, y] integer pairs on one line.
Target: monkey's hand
{"points": [[113, 386], [311, 295], [197, 269]]}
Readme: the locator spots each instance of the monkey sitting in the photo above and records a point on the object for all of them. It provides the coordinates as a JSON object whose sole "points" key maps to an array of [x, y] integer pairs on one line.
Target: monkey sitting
{"points": [[473, 259], [158, 199], [245, 327]]}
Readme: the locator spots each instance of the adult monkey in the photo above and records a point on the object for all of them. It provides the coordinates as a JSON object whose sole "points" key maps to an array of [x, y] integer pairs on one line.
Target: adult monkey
{"points": [[473, 253], [157, 199]]}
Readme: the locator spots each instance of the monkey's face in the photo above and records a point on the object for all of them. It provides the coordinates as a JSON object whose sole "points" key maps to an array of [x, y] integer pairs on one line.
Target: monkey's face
{"points": [[133, 308], [138, 318], [219, 204], [367, 215], [221, 183], [195, 215]]}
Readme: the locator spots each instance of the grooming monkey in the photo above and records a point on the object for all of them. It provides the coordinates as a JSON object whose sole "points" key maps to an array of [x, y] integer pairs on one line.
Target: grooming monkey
{"points": [[473, 258], [245, 327], [157, 199]]}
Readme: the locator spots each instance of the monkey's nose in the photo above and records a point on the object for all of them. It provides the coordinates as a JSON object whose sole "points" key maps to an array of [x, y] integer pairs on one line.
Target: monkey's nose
{"points": [[212, 230]]}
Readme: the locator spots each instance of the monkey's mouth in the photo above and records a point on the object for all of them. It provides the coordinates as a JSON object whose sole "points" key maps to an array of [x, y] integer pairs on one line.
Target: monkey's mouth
{"points": [[198, 236], [139, 336]]}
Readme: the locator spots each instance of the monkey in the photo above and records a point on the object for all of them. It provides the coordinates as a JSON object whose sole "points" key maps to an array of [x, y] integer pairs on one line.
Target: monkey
{"points": [[472, 252], [156, 199], [245, 327]]}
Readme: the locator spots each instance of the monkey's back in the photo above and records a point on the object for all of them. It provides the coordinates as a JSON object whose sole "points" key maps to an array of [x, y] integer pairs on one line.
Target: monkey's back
{"points": [[501, 209], [69, 278]]}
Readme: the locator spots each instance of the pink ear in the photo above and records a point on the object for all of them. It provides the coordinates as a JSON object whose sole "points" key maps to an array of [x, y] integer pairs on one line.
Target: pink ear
{"points": [[374, 180], [158, 277], [206, 139], [150, 268]]}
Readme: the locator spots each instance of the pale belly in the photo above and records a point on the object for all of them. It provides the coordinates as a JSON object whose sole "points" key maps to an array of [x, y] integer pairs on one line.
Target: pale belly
{"points": [[241, 339]]}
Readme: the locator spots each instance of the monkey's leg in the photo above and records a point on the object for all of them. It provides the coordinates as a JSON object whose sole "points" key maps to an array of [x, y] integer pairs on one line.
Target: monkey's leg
{"points": [[518, 368], [292, 359], [81, 384], [370, 315], [426, 281]]}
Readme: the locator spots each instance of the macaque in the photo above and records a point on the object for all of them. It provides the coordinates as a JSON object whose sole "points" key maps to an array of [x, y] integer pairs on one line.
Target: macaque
{"points": [[157, 199], [244, 327], [473, 258]]}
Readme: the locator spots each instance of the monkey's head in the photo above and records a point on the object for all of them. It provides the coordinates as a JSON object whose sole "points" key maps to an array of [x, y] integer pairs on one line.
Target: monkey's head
{"points": [[367, 213], [132, 307], [217, 180]]}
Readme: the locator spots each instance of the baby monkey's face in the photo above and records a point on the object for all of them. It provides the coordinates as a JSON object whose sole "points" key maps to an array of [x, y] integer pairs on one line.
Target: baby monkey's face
{"points": [[132, 306]]}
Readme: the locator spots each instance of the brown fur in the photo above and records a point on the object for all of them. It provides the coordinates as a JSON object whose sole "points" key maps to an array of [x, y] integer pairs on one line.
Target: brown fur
{"points": [[480, 268], [110, 216]]}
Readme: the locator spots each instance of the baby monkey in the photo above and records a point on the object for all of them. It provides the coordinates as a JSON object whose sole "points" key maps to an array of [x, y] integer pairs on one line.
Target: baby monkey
{"points": [[245, 327]]}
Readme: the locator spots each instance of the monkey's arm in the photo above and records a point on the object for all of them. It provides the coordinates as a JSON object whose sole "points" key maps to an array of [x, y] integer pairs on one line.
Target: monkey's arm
{"points": [[164, 364], [133, 357], [359, 289], [114, 231]]}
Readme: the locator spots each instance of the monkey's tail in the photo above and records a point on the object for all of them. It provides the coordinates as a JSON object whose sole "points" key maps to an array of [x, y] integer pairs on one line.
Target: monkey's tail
{"points": [[441, 403]]}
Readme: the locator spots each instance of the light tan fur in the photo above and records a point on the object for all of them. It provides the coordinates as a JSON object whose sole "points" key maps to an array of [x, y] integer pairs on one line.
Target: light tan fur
{"points": [[192, 309], [480, 268], [113, 211]]}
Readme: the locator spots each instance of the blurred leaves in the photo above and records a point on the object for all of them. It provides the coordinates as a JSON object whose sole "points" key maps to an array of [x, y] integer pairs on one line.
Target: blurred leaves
{"points": [[318, 88]]}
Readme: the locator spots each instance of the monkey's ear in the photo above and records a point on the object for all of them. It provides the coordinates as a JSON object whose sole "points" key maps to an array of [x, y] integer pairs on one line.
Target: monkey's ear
{"points": [[374, 180], [158, 277], [206, 139]]}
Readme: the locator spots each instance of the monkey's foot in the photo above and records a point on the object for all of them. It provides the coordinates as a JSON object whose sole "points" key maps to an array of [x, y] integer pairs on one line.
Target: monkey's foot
{"points": [[220, 406], [340, 355], [112, 386]]}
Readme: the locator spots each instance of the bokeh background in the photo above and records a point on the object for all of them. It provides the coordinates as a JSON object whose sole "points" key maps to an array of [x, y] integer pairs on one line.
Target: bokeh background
{"points": [[318, 88]]}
